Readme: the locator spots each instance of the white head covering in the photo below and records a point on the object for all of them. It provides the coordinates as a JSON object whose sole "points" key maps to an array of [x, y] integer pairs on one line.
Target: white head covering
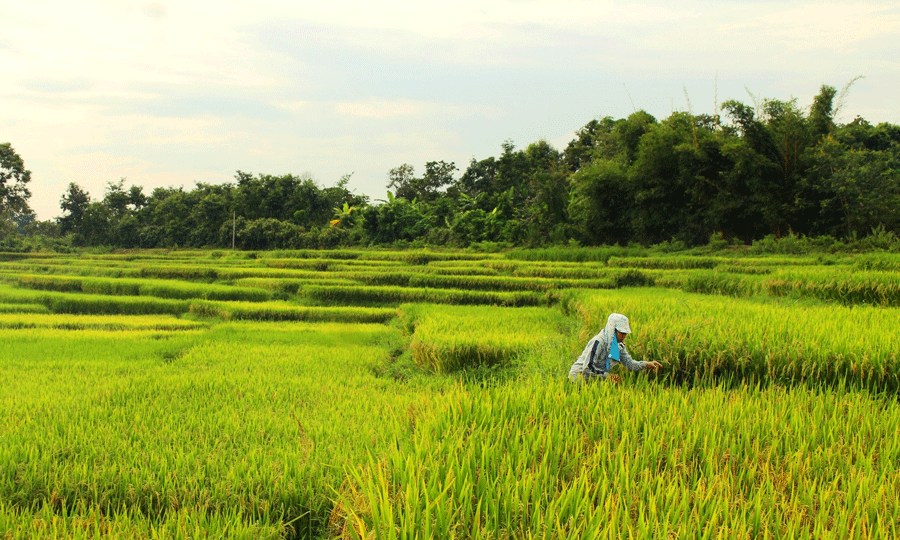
{"points": [[617, 321]]}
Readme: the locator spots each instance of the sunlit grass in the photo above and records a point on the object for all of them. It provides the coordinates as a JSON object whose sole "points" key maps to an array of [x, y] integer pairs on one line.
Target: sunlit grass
{"points": [[165, 404]]}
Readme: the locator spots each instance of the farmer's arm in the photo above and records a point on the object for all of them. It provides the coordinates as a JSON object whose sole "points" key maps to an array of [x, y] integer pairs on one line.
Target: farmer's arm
{"points": [[631, 364]]}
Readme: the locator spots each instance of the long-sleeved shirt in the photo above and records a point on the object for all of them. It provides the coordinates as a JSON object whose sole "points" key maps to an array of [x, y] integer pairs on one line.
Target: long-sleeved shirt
{"points": [[592, 362]]}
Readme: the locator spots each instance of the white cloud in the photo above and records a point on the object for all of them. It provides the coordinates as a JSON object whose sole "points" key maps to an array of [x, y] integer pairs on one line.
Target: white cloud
{"points": [[379, 108], [168, 93]]}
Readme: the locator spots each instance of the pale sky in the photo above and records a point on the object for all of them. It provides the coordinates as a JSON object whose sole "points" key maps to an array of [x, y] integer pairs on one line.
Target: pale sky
{"points": [[173, 93]]}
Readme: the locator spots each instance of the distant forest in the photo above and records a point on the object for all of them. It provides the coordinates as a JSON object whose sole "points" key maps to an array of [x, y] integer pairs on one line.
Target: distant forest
{"points": [[768, 169]]}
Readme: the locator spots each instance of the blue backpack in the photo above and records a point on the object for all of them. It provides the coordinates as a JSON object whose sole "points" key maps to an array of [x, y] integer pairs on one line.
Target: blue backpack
{"points": [[613, 352]]}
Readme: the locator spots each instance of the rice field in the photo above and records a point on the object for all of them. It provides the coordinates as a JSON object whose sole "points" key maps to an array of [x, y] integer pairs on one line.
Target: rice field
{"points": [[401, 395]]}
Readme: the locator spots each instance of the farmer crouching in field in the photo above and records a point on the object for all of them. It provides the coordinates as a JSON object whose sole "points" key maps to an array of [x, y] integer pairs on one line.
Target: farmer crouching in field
{"points": [[607, 350]]}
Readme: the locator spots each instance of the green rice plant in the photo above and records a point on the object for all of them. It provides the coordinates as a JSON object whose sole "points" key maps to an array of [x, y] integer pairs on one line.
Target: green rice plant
{"points": [[17, 256], [700, 336], [47, 283], [505, 283], [208, 291], [724, 283], [99, 322], [291, 285], [102, 304], [397, 278], [61, 302], [462, 270], [563, 270], [23, 308], [89, 523], [240, 427], [223, 424], [448, 338], [233, 274], [474, 262], [143, 287], [510, 266], [319, 265], [179, 272], [76, 268], [376, 295], [884, 262], [549, 459], [771, 260], [16, 296], [739, 269], [590, 254], [421, 258], [277, 311], [881, 288], [674, 261], [313, 254]]}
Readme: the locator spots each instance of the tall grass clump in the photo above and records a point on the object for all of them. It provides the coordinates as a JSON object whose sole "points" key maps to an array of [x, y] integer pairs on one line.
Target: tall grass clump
{"points": [[881, 288], [82, 522], [241, 427], [722, 283], [883, 262], [449, 338], [101, 322], [505, 283], [680, 261], [542, 459], [277, 311], [23, 308], [569, 254], [64, 302], [143, 287], [179, 272], [375, 295], [561, 270], [722, 338]]}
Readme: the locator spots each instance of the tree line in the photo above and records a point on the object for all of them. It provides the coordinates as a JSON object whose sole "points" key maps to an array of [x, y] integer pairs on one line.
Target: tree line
{"points": [[768, 168]]}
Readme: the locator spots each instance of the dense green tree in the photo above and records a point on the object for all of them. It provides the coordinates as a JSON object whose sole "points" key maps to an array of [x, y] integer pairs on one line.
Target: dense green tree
{"points": [[514, 169], [476, 225], [767, 161], [74, 204], [821, 113], [580, 150], [14, 179], [744, 205], [213, 211], [402, 180], [94, 230], [396, 219], [627, 135], [117, 199], [863, 184], [478, 179], [15, 215], [438, 175], [677, 179], [600, 203], [168, 218], [268, 233], [339, 195], [608, 139], [544, 213]]}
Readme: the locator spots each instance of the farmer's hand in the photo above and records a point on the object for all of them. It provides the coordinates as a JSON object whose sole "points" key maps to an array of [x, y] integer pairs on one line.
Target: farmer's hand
{"points": [[615, 378], [654, 365]]}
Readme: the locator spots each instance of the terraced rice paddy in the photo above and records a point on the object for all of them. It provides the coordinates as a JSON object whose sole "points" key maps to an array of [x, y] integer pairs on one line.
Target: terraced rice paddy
{"points": [[367, 394]]}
